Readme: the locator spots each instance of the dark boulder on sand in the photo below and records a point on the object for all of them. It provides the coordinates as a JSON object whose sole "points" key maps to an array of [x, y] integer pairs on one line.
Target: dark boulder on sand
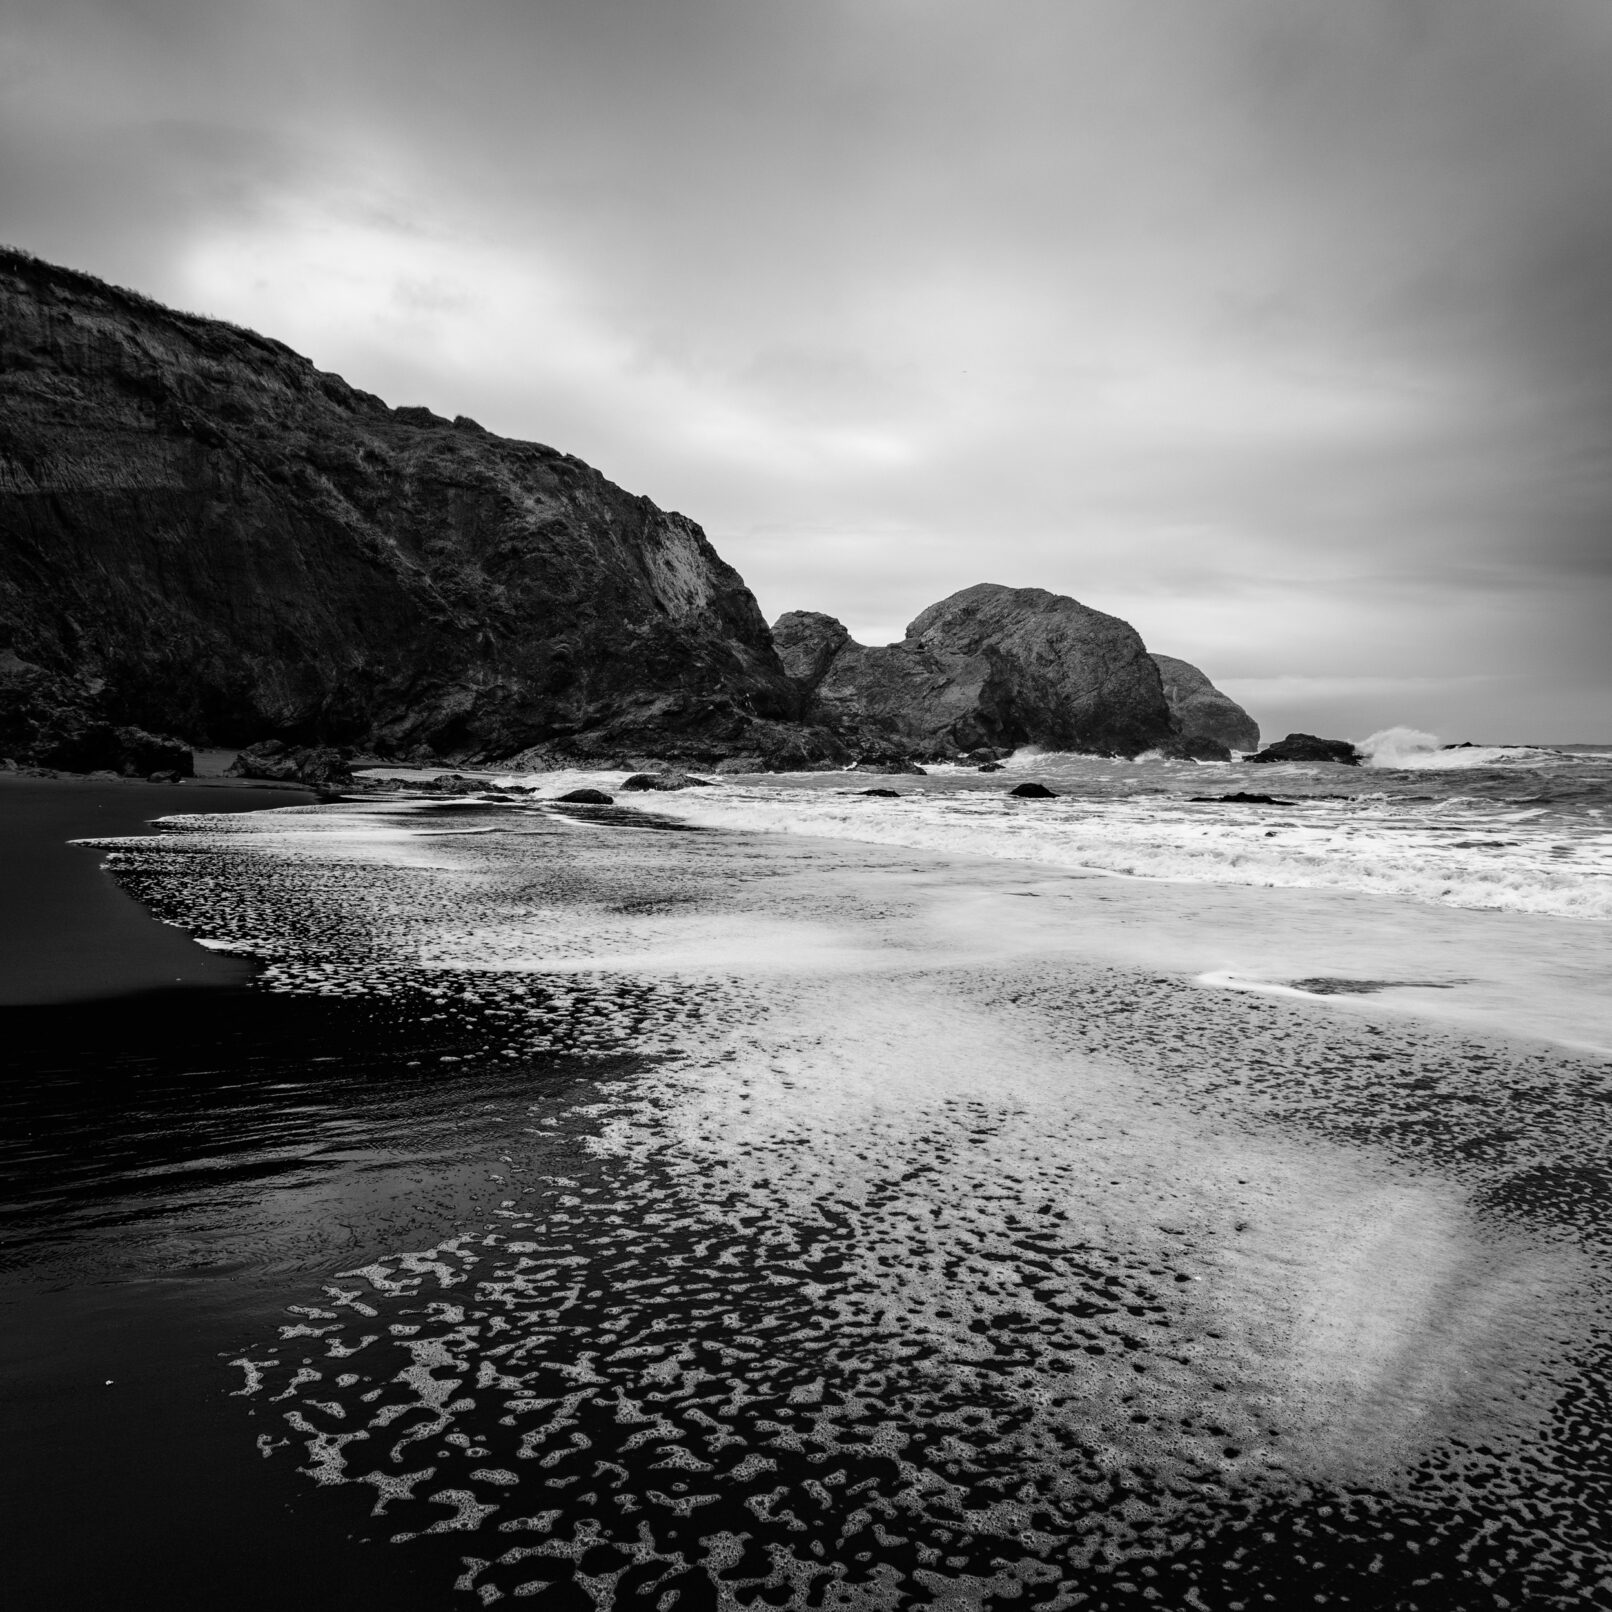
{"points": [[451, 784], [214, 538], [274, 761], [990, 668], [129, 752], [1306, 747], [1033, 792], [1206, 720]]}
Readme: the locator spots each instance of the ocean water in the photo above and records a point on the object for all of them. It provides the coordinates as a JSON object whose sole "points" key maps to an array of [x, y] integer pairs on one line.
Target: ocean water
{"points": [[1517, 829], [940, 1227]]}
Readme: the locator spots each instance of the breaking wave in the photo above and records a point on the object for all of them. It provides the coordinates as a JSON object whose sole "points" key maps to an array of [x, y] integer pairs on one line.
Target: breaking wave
{"points": [[1454, 850], [1411, 750]]}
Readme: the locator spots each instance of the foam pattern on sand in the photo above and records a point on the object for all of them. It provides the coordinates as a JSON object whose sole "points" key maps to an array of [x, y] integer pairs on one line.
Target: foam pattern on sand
{"points": [[902, 1280]]}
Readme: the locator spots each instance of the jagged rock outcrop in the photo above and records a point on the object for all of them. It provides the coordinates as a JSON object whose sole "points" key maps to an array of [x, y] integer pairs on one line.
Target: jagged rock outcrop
{"points": [[989, 668], [275, 761], [56, 721], [215, 539], [807, 642], [1201, 711]]}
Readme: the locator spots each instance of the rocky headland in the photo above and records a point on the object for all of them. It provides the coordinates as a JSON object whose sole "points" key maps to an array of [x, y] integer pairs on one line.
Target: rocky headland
{"points": [[207, 536], [991, 668], [208, 541]]}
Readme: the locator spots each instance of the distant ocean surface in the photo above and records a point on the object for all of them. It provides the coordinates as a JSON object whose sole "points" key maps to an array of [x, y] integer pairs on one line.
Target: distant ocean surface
{"points": [[1514, 828]]}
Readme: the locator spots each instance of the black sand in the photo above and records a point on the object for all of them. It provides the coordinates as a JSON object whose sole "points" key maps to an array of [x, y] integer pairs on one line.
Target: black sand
{"points": [[181, 1165], [732, 1341], [67, 932], [129, 1118]]}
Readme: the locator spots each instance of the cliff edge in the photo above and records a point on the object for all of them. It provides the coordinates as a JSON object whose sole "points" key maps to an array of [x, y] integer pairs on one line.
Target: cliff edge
{"points": [[205, 535]]}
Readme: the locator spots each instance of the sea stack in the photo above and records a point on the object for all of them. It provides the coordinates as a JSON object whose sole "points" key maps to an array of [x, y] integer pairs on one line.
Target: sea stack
{"points": [[989, 668]]}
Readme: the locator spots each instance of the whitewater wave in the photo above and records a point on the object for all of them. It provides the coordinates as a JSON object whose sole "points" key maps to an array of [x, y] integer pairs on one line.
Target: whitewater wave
{"points": [[1411, 750], [1459, 851]]}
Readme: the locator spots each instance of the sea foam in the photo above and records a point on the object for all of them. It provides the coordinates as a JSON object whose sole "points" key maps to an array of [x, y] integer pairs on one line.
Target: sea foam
{"points": [[1454, 851], [974, 1268], [1411, 750]]}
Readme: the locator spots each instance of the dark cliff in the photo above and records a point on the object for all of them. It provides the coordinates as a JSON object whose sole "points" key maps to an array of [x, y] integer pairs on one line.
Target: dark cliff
{"points": [[202, 534], [989, 668]]}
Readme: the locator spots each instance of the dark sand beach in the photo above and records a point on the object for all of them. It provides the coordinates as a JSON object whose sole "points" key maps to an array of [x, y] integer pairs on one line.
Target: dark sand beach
{"points": [[68, 931], [582, 1206], [124, 1112]]}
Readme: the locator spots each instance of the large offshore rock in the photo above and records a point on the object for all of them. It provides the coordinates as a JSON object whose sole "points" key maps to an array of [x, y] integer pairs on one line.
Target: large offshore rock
{"points": [[989, 668], [1307, 747], [1201, 711], [218, 540]]}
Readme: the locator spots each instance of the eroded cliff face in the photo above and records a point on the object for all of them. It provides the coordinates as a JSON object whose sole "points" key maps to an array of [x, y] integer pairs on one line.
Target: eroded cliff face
{"points": [[1201, 711], [989, 668], [205, 535]]}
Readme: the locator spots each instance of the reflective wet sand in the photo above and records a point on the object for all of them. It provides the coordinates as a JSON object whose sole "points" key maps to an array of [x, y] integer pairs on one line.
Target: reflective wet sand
{"points": [[848, 1252]]}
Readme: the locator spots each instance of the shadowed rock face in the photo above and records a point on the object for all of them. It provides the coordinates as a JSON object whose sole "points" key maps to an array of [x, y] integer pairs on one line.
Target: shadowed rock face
{"points": [[205, 535], [807, 642], [1200, 710], [988, 668]]}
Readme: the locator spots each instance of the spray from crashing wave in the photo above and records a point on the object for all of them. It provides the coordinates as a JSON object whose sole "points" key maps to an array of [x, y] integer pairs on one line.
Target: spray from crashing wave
{"points": [[1411, 750]]}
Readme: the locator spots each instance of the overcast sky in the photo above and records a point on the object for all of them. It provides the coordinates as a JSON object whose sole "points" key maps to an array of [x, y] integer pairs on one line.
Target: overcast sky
{"points": [[1281, 329]]}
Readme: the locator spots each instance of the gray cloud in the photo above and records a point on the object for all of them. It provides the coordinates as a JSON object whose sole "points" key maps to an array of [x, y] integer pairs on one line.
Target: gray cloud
{"points": [[1283, 328]]}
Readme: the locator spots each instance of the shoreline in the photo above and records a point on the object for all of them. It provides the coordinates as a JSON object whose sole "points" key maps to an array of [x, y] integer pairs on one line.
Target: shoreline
{"points": [[1526, 975], [870, 1136], [67, 931]]}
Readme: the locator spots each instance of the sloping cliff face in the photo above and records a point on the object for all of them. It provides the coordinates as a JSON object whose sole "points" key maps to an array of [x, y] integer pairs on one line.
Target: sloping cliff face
{"points": [[989, 668], [1201, 711], [202, 534]]}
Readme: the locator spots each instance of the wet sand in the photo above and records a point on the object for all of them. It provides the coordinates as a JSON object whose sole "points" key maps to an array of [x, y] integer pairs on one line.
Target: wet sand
{"points": [[861, 1237], [67, 932]]}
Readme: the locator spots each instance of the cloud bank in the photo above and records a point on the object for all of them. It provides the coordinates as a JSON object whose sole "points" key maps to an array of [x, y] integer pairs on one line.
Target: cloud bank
{"points": [[1282, 329]]}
